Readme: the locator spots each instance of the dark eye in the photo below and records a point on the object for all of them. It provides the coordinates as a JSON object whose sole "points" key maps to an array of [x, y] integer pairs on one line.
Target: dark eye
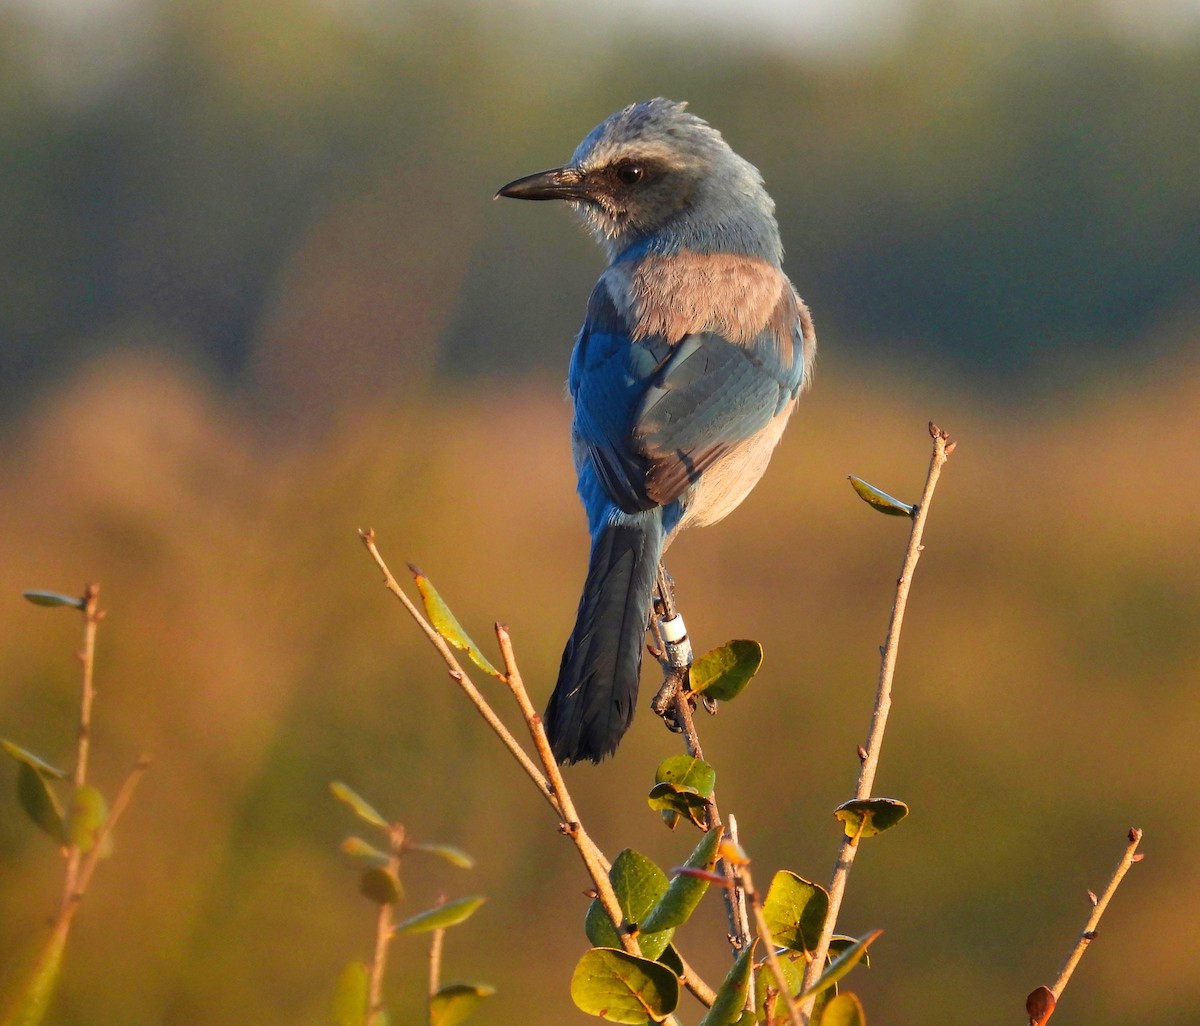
{"points": [[630, 174]]}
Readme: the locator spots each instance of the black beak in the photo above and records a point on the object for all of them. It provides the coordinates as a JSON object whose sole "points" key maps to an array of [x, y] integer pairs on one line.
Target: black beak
{"points": [[560, 183]]}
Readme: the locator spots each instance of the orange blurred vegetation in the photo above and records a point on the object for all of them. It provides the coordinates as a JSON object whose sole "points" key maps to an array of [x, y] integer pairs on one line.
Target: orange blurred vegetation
{"points": [[1045, 697]]}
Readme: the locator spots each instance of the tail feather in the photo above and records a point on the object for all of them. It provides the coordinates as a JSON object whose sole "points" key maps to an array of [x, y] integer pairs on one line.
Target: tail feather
{"points": [[594, 700]]}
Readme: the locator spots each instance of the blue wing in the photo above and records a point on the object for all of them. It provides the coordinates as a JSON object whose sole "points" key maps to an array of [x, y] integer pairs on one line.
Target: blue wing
{"points": [[651, 416]]}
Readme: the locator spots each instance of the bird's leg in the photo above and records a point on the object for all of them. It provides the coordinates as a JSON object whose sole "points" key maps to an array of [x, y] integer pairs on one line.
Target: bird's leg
{"points": [[674, 652]]}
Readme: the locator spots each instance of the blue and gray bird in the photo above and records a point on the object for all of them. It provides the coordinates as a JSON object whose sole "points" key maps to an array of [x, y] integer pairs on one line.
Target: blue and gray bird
{"points": [[692, 355]]}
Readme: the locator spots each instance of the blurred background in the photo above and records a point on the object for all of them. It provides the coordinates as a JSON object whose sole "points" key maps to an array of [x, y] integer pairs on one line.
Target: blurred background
{"points": [[255, 295]]}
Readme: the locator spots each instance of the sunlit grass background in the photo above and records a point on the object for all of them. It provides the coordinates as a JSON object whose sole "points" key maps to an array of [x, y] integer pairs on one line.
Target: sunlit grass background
{"points": [[257, 297]]}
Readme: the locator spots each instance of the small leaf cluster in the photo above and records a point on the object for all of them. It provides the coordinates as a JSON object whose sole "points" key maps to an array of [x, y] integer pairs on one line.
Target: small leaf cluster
{"points": [[611, 983], [39, 791], [379, 881]]}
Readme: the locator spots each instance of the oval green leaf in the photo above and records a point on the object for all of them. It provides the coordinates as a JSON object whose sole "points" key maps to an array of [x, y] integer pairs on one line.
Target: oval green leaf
{"points": [[446, 623], [684, 891], [724, 672], [682, 786], [455, 856], [793, 966], [685, 771], [32, 761], [870, 816], [380, 885], [841, 965], [795, 911], [442, 916], [350, 997], [639, 885], [362, 808], [454, 1002], [89, 810], [844, 1010], [620, 987], [881, 501], [731, 996], [40, 803], [53, 598]]}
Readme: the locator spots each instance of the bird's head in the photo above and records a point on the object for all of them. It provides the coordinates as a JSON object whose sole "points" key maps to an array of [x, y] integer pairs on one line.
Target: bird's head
{"points": [[655, 175]]}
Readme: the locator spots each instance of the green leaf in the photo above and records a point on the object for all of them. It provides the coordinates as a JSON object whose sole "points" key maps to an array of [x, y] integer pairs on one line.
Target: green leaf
{"points": [[881, 501], [441, 916], [795, 911], [793, 972], [29, 985], [32, 761], [53, 598], [682, 787], [41, 803], [455, 1001], [620, 987], [844, 1010], [447, 625], [380, 885], [366, 853], [362, 808], [684, 892], [638, 884], [841, 965], [455, 856], [731, 995], [350, 997], [687, 772], [89, 811], [870, 816], [724, 672]]}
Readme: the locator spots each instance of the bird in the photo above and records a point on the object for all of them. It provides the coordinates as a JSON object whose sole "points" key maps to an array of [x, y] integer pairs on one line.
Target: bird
{"points": [[694, 350]]}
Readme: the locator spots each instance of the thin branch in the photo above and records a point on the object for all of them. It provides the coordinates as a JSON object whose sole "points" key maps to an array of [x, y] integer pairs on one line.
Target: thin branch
{"points": [[674, 700], [764, 934], [435, 960], [119, 805], [597, 867], [459, 675], [383, 939], [92, 615], [385, 930], [743, 917], [549, 783], [869, 754], [1129, 857], [596, 864]]}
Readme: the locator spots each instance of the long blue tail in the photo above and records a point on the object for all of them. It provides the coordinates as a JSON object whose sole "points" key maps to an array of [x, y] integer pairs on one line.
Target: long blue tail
{"points": [[594, 699]]}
